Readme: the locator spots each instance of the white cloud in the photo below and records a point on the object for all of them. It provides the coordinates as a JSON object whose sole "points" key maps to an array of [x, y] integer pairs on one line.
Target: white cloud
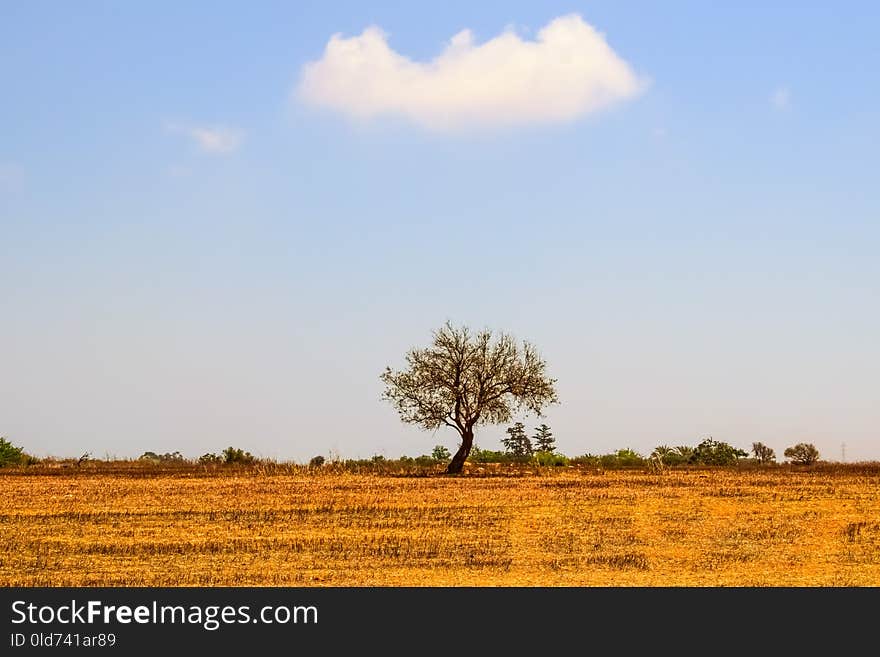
{"points": [[215, 139], [781, 98], [568, 71]]}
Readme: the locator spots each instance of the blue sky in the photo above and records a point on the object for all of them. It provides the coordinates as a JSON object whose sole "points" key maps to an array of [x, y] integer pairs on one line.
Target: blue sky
{"points": [[194, 256]]}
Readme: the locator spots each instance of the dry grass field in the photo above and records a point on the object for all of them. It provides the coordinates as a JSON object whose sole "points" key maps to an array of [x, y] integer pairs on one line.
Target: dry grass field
{"points": [[287, 526]]}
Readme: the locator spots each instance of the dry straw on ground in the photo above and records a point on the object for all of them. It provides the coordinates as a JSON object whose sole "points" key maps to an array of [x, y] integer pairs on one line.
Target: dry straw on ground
{"points": [[538, 527]]}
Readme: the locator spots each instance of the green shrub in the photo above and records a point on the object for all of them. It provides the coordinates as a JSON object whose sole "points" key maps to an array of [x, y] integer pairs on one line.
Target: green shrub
{"points": [[590, 460], [361, 463], [9, 453], [627, 458], [714, 452], [231, 455], [622, 458], [686, 452], [550, 458], [162, 458], [440, 453], [210, 459], [478, 455], [670, 455]]}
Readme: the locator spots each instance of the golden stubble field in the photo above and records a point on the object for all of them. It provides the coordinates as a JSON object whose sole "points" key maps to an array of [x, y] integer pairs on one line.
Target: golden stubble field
{"points": [[549, 527]]}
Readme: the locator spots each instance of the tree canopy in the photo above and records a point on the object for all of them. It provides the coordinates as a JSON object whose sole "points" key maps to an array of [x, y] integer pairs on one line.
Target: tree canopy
{"points": [[466, 379], [802, 453]]}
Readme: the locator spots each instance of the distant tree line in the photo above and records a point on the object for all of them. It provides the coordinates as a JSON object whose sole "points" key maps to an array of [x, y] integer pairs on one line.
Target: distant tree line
{"points": [[519, 447], [540, 449]]}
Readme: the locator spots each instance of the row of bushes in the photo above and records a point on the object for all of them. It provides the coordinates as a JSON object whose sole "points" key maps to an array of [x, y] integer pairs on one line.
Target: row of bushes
{"points": [[622, 458], [478, 455], [708, 452], [541, 449], [229, 456], [11, 455]]}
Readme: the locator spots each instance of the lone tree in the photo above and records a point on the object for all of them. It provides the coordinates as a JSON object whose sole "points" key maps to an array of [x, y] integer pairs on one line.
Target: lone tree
{"points": [[803, 453], [763, 454], [463, 380], [543, 439]]}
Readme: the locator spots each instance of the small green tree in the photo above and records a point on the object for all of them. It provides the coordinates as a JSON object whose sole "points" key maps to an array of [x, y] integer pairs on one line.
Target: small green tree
{"points": [[440, 453], [802, 453], [316, 461], [763, 454], [715, 452], [210, 459], [544, 440], [517, 442], [9, 453]]}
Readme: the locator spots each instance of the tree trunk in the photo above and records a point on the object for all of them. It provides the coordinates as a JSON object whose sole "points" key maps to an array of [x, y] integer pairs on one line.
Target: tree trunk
{"points": [[457, 463]]}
